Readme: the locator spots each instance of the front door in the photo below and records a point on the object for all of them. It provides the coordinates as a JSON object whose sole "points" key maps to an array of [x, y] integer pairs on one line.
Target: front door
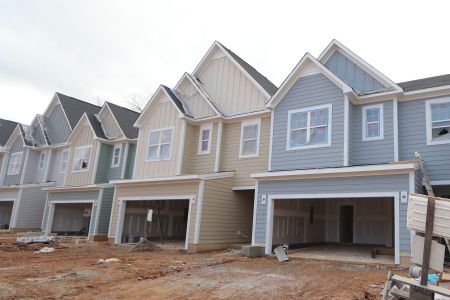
{"points": [[346, 227]]}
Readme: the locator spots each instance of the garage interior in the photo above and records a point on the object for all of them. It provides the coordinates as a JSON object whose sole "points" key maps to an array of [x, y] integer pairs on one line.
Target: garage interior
{"points": [[72, 219], [5, 214], [158, 220], [335, 227]]}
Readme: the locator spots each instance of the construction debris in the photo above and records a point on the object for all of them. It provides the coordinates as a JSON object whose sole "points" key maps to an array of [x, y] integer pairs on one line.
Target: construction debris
{"points": [[46, 250], [35, 239], [281, 253], [144, 245], [108, 260]]}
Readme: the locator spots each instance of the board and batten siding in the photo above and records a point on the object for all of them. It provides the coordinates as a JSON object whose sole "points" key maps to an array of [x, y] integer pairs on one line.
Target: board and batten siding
{"points": [[146, 190], [85, 137], [194, 101], [225, 213], [243, 167], [193, 163], [352, 74], [334, 186], [162, 115], [109, 124], [413, 137], [55, 173], [105, 172], [17, 146], [30, 208], [376, 151], [309, 91], [37, 134], [232, 91], [57, 126]]}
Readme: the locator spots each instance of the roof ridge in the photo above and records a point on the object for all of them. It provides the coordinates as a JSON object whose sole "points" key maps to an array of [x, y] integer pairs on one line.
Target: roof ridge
{"points": [[122, 107], [58, 93]]}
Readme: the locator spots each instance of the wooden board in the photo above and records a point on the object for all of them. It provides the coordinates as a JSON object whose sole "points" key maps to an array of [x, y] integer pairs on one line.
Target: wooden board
{"points": [[417, 212], [436, 257]]}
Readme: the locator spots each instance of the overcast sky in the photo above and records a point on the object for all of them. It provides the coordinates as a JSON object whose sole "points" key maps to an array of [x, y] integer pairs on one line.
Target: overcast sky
{"points": [[113, 49]]}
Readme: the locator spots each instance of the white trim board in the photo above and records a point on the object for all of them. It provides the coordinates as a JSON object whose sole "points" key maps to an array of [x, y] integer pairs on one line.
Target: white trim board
{"points": [[175, 178]]}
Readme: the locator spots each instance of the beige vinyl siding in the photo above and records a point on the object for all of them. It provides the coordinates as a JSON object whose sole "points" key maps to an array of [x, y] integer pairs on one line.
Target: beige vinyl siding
{"points": [[243, 167], [161, 115], [194, 100], [225, 212], [193, 163], [229, 87], [85, 137], [184, 189], [109, 124]]}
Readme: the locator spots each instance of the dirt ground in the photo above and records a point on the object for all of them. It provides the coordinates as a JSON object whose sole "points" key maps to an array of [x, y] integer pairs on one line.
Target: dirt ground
{"points": [[72, 271]]}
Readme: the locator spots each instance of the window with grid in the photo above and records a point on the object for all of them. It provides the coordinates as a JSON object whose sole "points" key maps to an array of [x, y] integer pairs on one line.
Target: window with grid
{"points": [[116, 156], [82, 158], [373, 122], [15, 162], [63, 162], [440, 121], [250, 138], [204, 146], [160, 144]]}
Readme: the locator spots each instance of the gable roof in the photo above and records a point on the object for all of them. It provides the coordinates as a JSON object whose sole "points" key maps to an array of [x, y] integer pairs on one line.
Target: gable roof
{"points": [[6, 129], [175, 99], [74, 108], [96, 126], [425, 83], [125, 119]]}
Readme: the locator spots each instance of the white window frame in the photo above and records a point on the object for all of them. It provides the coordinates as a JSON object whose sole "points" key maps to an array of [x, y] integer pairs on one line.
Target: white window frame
{"points": [[365, 138], [74, 157], [308, 109], [61, 170], [258, 137], [203, 127], [42, 157], [147, 159], [115, 165], [18, 165], [429, 127]]}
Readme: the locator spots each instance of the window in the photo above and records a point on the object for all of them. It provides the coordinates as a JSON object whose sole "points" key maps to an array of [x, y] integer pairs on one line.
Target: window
{"points": [[309, 127], [250, 138], [204, 140], [81, 159], [372, 116], [41, 161], [116, 156], [63, 162], [160, 144], [15, 162], [438, 121]]}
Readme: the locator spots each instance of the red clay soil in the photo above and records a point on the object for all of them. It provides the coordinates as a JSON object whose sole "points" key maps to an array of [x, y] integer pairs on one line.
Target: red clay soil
{"points": [[72, 271]]}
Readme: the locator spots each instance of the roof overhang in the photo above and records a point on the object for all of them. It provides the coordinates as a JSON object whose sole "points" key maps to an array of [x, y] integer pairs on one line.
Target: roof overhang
{"points": [[92, 187], [106, 107], [81, 122]]}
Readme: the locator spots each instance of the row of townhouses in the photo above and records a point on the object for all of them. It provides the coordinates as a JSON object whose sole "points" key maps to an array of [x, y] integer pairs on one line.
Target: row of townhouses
{"points": [[226, 157]]}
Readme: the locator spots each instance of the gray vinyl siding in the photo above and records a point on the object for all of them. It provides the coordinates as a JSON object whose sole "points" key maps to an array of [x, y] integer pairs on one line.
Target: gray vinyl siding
{"points": [[306, 92], [16, 147], [418, 182], [105, 172], [38, 136], [105, 211], [57, 126], [70, 196], [352, 74], [412, 138], [54, 173], [31, 208], [371, 152], [32, 174], [130, 161], [366, 184]]}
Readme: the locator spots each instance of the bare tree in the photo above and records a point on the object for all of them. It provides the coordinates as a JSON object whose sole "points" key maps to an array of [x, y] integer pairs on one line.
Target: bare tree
{"points": [[137, 102]]}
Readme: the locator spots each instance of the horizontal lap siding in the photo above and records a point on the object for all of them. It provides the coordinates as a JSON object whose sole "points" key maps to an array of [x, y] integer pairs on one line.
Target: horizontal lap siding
{"points": [[192, 162], [371, 152], [55, 164], [306, 92], [412, 138], [9, 194], [105, 211], [105, 172], [130, 161], [184, 189], [31, 208], [369, 184], [225, 212]]}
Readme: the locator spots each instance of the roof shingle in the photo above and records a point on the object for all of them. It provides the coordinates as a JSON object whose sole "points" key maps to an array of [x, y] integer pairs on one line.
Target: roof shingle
{"points": [[425, 83]]}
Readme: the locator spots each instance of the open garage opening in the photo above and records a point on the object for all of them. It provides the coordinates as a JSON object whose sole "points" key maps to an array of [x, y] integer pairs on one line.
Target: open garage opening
{"points": [[72, 219], [341, 229], [159, 221], [6, 208]]}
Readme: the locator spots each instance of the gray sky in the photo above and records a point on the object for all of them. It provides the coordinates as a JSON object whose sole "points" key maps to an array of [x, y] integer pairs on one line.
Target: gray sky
{"points": [[113, 49]]}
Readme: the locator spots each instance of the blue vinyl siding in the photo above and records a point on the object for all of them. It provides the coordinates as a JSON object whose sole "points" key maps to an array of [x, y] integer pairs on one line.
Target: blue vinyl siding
{"points": [[16, 147], [306, 92], [30, 208]]}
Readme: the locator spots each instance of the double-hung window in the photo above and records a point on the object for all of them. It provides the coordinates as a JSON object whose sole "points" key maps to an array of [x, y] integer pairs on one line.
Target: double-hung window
{"points": [[81, 159], [204, 140], [41, 165], [250, 131], [63, 162], [438, 121], [309, 127], [116, 156], [160, 144], [15, 162], [372, 116]]}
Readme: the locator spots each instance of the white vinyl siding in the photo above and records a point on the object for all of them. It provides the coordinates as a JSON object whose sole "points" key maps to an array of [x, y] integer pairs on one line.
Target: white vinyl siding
{"points": [[63, 162], [116, 156], [82, 159], [309, 127], [438, 121], [41, 165], [250, 131], [160, 144], [204, 140], [15, 162], [373, 125]]}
